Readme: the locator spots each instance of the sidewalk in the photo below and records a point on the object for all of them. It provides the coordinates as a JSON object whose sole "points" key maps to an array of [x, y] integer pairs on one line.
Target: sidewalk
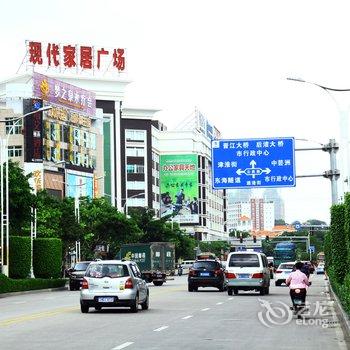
{"points": [[33, 291]]}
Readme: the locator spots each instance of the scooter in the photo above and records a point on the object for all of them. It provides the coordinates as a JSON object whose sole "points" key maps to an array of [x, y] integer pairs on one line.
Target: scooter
{"points": [[179, 270], [298, 298]]}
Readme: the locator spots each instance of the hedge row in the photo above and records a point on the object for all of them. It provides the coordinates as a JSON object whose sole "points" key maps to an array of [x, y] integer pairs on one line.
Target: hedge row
{"points": [[47, 257], [8, 285], [337, 251]]}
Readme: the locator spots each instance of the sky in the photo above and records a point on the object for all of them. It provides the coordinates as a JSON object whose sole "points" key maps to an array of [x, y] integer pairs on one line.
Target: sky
{"points": [[229, 59]]}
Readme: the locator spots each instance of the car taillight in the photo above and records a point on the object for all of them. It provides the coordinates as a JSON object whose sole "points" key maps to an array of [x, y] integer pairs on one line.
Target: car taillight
{"points": [[258, 275], [191, 272], [129, 284], [278, 271], [218, 272], [85, 284], [230, 275]]}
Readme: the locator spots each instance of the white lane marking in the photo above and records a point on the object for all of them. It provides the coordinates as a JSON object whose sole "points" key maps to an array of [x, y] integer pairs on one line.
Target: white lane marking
{"points": [[19, 302], [187, 317], [122, 346], [230, 298], [219, 303], [206, 309], [160, 329]]}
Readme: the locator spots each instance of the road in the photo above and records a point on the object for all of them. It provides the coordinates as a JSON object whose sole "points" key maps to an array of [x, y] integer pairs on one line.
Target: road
{"points": [[177, 319]]}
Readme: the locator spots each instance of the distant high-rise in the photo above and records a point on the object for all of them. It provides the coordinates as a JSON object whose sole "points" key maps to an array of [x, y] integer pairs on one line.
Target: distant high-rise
{"points": [[243, 195], [272, 195]]}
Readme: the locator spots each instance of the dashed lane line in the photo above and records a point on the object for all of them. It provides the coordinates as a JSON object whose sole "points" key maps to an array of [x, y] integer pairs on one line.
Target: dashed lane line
{"points": [[206, 309], [123, 346], [160, 329], [187, 317], [219, 303]]}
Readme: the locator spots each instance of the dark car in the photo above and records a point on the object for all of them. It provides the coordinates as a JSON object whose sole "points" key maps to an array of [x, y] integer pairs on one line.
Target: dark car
{"points": [[206, 273], [76, 274]]}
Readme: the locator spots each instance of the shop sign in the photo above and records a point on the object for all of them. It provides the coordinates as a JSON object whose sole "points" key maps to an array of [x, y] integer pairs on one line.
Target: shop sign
{"points": [[63, 94], [77, 57]]}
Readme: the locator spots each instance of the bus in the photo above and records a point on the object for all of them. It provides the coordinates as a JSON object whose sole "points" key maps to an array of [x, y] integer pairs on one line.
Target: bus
{"points": [[284, 252]]}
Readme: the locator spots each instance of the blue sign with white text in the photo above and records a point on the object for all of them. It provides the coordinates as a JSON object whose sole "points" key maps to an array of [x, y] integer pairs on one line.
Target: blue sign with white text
{"points": [[253, 163]]}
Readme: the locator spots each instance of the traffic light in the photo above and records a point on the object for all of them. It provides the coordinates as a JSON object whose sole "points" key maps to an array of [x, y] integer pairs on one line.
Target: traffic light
{"points": [[254, 239]]}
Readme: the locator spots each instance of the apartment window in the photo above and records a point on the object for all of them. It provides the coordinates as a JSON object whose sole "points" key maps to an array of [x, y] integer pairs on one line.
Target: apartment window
{"points": [[135, 185], [93, 141], [15, 151], [135, 135], [135, 151], [135, 168], [13, 126], [77, 137]]}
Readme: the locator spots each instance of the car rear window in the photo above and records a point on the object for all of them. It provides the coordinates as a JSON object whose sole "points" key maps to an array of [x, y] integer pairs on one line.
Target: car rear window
{"points": [[81, 266], [208, 265], [244, 260], [286, 266], [107, 270]]}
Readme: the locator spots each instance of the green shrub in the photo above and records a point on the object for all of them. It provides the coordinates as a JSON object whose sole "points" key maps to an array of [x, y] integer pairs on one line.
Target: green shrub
{"points": [[19, 257], [339, 242], [47, 257], [8, 285]]}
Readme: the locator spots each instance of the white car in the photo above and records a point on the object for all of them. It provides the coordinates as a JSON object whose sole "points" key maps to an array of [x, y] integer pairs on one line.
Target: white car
{"points": [[320, 269], [282, 272], [112, 283]]}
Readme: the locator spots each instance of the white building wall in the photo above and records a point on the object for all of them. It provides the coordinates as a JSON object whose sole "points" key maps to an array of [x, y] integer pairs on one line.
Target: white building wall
{"points": [[269, 216]]}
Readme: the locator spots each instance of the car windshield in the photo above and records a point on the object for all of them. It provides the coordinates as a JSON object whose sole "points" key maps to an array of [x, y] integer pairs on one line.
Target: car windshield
{"points": [[107, 270], [286, 266], [244, 260], [208, 265], [81, 266]]}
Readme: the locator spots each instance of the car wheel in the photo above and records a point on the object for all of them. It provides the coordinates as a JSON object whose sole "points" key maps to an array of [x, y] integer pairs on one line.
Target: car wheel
{"points": [[158, 283], [71, 287], [222, 288], [134, 307], [267, 290], [277, 283], [195, 289], [98, 308], [145, 304], [84, 308], [229, 291], [235, 291], [190, 288], [262, 291]]}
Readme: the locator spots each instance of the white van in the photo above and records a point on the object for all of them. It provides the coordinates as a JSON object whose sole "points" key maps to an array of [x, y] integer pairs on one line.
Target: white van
{"points": [[247, 271], [186, 265]]}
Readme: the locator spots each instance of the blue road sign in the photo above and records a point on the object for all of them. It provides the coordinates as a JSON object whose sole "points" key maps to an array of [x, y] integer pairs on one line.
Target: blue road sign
{"points": [[297, 225], [312, 249], [253, 163]]}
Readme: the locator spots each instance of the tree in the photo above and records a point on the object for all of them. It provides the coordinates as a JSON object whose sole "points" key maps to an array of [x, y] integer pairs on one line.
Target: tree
{"points": [[280, 222], [21, 199]]}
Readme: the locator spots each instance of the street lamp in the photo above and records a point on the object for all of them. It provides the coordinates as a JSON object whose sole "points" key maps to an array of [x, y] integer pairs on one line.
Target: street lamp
{"points": [[343, 125], [134, 196], [5, 212]]}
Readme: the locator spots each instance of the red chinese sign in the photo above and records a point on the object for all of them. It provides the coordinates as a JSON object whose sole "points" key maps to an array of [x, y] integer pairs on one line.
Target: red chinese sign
{"points": [[74, 56]]}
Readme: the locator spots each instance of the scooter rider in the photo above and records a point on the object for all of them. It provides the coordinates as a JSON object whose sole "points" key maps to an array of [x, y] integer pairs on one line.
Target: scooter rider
{"points": [[298, 280]]}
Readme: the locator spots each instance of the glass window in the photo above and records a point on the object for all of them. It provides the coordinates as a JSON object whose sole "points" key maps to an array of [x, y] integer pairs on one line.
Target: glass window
{"points": [[135, 185], [81, 266], [244, 260], [65, 133], [208, 265], [93, 141], [130, 168], [13, 126], [135, 151], [135, 135], [107, 270], [15, 151], [77, 137]]}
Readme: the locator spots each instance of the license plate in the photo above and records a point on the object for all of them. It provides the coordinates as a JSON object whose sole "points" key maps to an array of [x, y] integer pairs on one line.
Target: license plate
{"points": [[205, 274], [159, 276], [243, 275], [105, 299]]}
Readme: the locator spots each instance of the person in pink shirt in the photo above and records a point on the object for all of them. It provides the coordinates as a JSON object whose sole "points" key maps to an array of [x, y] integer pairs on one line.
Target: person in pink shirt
{"points": [[298, 280]]}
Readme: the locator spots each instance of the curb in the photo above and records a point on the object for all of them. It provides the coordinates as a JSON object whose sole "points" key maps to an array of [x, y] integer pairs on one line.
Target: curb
{"points": [[344, 318], [34, 291]]}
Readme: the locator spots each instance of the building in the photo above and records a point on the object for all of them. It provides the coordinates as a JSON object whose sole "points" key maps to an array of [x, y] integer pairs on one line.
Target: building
{"points": [[273, 195], [61, 146]]}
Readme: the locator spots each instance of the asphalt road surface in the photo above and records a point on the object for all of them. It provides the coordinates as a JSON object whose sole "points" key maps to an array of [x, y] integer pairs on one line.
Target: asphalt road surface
{"points": [[177, 319]]}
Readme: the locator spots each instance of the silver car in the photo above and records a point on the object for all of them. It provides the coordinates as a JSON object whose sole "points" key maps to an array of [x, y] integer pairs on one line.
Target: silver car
{"points": [[113, 283]]}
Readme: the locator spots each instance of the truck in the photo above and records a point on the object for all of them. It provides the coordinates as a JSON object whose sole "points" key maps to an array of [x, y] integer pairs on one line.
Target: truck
{"points": [[156, 260], [284, 252]]}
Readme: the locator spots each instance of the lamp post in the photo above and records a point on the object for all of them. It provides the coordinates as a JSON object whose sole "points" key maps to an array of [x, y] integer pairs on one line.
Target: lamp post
{"points": [[344, 129], [5, 212], [126, 200]]}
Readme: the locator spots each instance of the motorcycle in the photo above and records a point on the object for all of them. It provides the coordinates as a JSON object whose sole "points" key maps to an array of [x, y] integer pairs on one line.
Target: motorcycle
{"points": [[298, 299], [179, 270]]}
